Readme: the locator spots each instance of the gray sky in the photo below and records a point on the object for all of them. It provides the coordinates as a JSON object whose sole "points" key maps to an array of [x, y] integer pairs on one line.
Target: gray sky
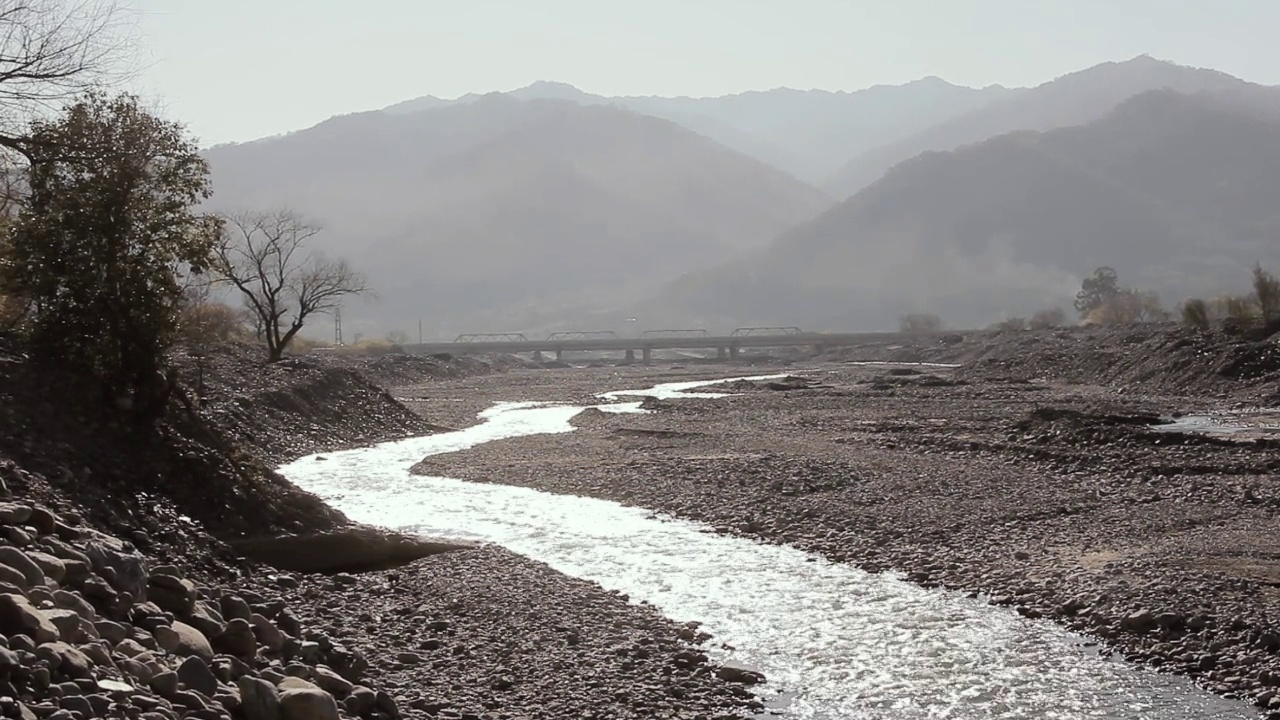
{"points": [[236, 70]]}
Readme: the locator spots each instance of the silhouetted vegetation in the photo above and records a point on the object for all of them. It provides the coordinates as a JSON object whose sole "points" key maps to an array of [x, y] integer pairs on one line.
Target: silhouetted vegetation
{"points": [[264, 256], [1046, 319], [920, 323], [1097, 290], [1266, 294], [1195, 314], [1128, 307], [1013, 324]]}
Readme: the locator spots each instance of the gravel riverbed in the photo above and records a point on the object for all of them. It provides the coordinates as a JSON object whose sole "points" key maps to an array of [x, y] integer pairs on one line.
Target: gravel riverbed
{"points": [[1058, 499]]}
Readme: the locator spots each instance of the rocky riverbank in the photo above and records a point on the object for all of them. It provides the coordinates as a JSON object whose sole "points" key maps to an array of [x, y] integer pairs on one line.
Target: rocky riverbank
{"points": [[89, 628], [1059, 498], [125, 590]]}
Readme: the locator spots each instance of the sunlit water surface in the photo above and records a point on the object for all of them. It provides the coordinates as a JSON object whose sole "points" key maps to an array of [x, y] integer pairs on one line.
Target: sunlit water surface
{"points": [[835, 642]]}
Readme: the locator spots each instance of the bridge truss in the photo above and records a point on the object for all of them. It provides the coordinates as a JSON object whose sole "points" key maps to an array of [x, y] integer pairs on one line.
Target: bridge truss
{"points": [[491, 337], [749, 331], [677, 333], [582, 335]]}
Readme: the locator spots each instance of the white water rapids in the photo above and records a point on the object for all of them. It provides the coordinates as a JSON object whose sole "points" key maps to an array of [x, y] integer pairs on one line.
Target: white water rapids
{"points": [[834, 642]]}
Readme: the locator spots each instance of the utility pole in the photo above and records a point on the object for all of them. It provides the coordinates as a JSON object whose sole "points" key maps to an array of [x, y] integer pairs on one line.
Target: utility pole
{"points": [[419, 332], [337, 327]]}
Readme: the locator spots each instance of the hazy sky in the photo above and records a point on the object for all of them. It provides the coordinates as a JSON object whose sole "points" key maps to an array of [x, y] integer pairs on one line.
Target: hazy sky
{"points": [[240, 69]]}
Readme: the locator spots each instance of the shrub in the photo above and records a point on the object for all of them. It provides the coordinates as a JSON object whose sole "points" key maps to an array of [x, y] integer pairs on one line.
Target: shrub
{"points": [[1240, 310], [1013, 324], [1266, 294], [1127, 308], [1195, 314], [209, 323], [920, 323], [1046, 319]]}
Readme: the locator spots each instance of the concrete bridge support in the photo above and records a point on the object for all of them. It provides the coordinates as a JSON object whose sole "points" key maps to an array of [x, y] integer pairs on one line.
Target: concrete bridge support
{"points": [[631, 355], [537, 356], [720, 353], [733, 352], [647, 355], [559, 355]]}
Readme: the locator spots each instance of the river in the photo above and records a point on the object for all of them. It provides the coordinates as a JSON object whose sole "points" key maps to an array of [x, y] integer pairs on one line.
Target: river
{"points": [[835, 642]]}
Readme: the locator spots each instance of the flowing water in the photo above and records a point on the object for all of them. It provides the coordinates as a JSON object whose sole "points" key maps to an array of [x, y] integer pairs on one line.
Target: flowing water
{"points": [[834, 642], [1241, 424]]}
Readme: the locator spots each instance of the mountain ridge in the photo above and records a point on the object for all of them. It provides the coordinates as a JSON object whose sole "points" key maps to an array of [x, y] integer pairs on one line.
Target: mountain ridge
{"points": [[534, 205], [1070, 99], [808, 133], [1171, 189]]}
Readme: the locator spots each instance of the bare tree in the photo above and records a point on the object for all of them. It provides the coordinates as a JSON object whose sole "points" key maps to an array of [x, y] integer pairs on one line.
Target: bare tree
{"points": [[52, 51], [264, 256]]}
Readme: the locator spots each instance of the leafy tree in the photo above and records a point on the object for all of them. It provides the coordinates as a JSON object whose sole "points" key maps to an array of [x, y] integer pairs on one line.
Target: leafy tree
{"points": [[1266, 293], [264, 256], [1096, 290], [108, 227], [920, 323]]}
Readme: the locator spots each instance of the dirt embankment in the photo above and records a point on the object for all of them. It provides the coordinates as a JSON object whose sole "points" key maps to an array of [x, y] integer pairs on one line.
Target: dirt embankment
{"points": [[1157, 359], [1057, 497]]}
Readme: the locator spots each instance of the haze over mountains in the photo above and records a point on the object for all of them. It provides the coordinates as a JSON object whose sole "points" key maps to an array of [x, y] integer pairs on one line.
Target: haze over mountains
{"points": [[808, 133], [1177, 192], [507, 213], [551, 208]]}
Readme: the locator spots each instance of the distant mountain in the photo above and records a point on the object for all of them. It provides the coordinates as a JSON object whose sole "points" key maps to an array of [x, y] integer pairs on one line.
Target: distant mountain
{"points": [[496, 213], [1072, 99], [808, 133], [1176, 191]]}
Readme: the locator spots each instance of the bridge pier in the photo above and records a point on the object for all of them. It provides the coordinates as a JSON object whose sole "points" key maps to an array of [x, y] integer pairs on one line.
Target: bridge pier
{"points": [[537, 356], [647, 355], [631, 355], [559, 355], [733, 352], [720, 353]]}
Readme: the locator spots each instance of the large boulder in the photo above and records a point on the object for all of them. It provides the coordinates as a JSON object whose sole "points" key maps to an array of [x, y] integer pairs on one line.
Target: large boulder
{"points": [[358, 549], [66, 660], [237, 639], [19, 617], [259, 699], [308, 704], [183, 640], [173, 594], [194, 674], [117, 561], [71, 627], [20, 561], [54, 568]]}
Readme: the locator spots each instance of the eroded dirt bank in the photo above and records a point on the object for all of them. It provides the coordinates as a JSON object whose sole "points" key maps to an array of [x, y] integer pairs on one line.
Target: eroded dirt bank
{"points": [[1056, 497]]}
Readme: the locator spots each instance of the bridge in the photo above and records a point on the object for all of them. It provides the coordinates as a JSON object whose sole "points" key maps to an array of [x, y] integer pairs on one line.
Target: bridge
{"points": [[726, 346]]}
